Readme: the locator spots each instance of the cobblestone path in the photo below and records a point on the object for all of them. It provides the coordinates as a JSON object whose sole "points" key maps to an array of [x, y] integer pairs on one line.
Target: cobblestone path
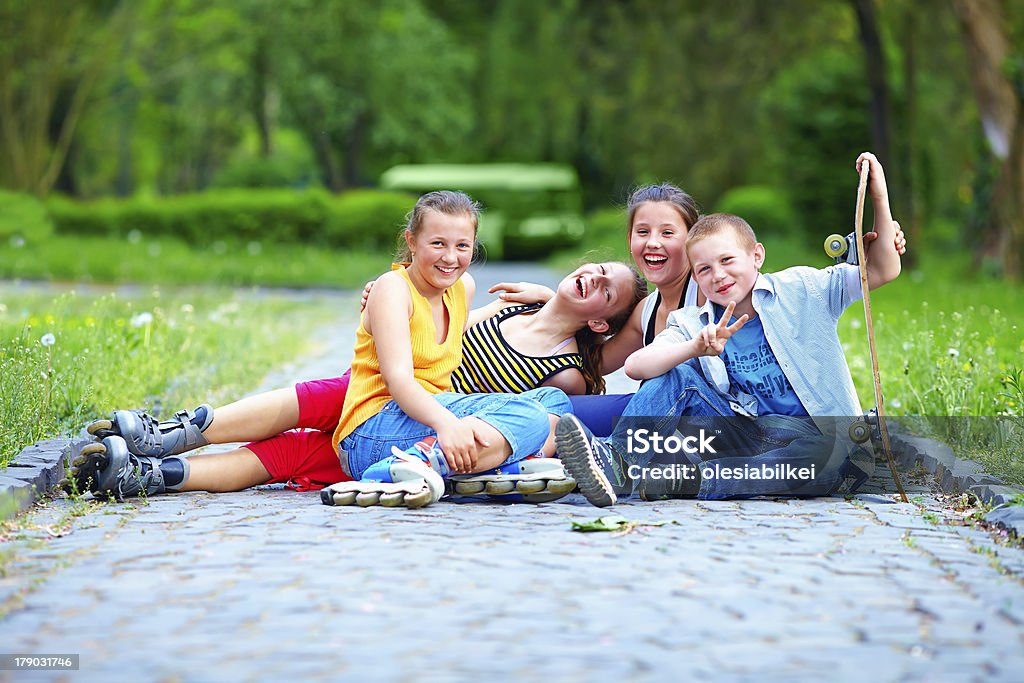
{"points": [[271, 585]]}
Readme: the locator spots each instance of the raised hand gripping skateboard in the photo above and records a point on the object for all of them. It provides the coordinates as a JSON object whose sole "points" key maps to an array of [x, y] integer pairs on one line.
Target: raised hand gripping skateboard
{"points": [[835, 246]]}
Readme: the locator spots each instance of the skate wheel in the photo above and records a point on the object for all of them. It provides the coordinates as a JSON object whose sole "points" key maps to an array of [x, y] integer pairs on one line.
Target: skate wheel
{"points": [[469, 488], [101, 428], [530, 486], [87, 452], [561, 486], [417, 500], [393, 500], [344, 498], [367, 498], [835, 245], [498, 488], [860, 432]]}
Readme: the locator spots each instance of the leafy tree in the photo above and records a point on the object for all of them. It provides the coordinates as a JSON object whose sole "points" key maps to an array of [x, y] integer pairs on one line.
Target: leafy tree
{"points": [[998, 78], [51, 57], [818, 109], [361, 74]]}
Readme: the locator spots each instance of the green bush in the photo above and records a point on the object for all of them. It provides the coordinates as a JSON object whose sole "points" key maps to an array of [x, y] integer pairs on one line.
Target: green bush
{"points": [[366, 219], [362, 219], [605, 226], [291, 164], [96, 218], [23, 218], [767, 209], [273, 171]]}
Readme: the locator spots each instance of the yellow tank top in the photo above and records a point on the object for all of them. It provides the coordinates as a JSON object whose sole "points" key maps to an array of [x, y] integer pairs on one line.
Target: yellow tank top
{"points": [[432, 363]]}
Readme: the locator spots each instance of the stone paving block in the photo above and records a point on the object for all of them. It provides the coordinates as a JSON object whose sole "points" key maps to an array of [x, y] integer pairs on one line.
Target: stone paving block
{"points": [[805, 587], [15, 495]]}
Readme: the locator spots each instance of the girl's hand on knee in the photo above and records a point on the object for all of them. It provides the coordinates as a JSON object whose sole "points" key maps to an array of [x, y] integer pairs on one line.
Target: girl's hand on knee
{"points": [[458, 441]]}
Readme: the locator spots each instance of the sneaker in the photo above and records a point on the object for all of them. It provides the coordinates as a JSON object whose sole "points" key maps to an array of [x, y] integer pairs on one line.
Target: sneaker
{"points": [[531, 480], [667, 488], [594, 464], [399, 480], [146, 436], [114, 471]]}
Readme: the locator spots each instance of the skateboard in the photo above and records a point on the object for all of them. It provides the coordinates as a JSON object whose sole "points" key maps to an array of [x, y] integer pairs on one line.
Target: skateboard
{"points": [[874, 421]]}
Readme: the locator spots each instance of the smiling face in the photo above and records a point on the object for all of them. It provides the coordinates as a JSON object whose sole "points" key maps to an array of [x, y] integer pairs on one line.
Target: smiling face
{"points": [[726, 269], [657, 241], [441, 250], [598, 291]]}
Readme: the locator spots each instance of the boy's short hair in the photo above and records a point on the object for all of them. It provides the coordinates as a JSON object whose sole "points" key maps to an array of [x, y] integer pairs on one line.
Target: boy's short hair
{"points": [[715, 223]]}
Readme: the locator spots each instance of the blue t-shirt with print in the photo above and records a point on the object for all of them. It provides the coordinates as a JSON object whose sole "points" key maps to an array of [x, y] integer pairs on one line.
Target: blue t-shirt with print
{"points": [[753, 369]]}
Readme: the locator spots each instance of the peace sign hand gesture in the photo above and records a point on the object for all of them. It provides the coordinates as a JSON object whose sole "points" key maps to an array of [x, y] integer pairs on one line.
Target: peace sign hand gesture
{"points": [[711, 340]]}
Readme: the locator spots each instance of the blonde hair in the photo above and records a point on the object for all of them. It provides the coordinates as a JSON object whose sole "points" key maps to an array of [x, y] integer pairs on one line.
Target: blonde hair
{"points": [[716, 223]]}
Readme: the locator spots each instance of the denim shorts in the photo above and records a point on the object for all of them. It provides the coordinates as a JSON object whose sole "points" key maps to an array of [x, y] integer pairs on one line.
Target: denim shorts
{"points": [[521, 418]]}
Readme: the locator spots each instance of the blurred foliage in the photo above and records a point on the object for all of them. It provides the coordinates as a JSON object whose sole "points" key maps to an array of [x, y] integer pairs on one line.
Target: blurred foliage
{"points": [[767, 209], [168, 260], [818, 107], [23, 218], [366, 219], [148, 98]]}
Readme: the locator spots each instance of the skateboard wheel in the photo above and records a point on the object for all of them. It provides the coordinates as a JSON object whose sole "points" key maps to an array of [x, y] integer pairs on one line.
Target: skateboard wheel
{"points": [[860, 432], [835, 245]]}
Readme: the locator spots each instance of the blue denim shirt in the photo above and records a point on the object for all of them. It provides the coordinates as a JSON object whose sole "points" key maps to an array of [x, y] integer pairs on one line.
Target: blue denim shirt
{"points": [[799, 309]]}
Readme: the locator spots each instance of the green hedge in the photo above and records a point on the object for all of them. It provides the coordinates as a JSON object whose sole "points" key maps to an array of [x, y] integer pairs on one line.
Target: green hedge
{"points": [[359, 219], [23, 218]]}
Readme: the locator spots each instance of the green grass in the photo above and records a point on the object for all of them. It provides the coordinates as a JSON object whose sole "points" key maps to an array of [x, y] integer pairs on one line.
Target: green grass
{"points": [[170, 261], [164, 349]]}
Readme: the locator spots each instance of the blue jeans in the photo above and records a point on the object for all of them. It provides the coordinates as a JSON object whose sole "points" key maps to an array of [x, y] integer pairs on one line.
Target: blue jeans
{"points": [[765, 441], [521, 418]]}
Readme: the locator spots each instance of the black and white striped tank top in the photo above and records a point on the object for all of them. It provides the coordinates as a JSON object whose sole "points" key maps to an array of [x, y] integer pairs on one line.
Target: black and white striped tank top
{"points": [[491, 365]]}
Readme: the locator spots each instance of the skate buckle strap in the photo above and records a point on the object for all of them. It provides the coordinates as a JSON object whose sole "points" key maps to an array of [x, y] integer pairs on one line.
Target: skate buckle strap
{"points": [[432, 462], [303, 484]]}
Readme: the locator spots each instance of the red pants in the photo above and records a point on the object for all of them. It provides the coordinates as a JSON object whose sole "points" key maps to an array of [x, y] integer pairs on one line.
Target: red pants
{"points": [[305, 458]]}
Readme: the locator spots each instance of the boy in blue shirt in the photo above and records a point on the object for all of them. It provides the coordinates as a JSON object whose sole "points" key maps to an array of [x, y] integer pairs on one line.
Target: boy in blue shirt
{"points": [[763, 345]]}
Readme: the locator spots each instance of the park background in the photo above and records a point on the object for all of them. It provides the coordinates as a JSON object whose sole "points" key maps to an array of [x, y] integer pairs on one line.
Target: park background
{"points": [[197, 150]]}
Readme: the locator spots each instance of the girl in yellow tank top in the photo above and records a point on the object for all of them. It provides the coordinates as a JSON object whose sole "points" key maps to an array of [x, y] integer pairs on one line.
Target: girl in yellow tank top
{"points": [[408, 344]]}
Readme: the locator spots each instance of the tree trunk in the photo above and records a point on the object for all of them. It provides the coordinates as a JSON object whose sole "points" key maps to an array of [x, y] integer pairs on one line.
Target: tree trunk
{"points": [[353, 161], [325, 160], [983, 27], [910, 212], [870, 38], [260, 95]]}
